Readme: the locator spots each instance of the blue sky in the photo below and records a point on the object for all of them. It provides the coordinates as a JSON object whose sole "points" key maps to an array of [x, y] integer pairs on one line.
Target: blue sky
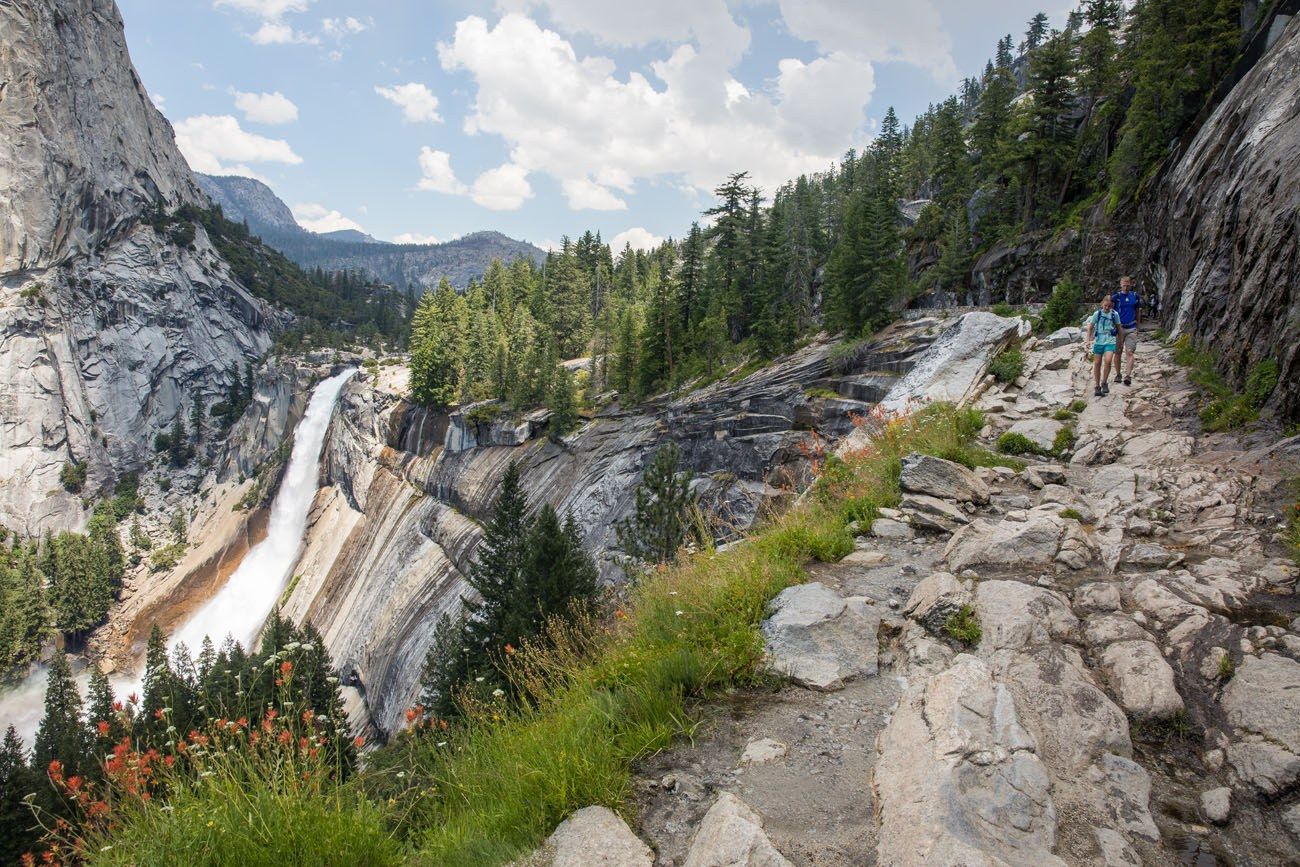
{"points": [[540, 118]]}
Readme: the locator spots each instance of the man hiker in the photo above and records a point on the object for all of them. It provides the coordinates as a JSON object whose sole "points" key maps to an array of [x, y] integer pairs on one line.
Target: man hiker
{"points": [[1128, 304], [1105, 332]]}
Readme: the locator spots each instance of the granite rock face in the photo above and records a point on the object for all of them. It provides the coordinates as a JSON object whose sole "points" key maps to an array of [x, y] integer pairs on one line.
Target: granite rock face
{"points": [[1222, 225], [108, 331], [82, 148]]}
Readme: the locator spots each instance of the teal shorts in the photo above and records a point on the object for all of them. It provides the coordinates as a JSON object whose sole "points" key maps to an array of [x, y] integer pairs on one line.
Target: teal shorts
{"points": [[1103, 348]]}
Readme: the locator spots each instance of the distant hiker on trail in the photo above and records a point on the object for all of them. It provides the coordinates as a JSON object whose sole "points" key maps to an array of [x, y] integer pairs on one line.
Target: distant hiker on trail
{"points": [[1105, 332], [1128, 304]]}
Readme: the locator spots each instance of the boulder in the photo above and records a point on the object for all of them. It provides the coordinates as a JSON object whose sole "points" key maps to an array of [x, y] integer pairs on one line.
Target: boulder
{"points": [[1097, 596], [1066, 336], [1039, 431], [1152, 556], [931, 513], [935, 599], [1142, 680], [819, 639], [865, 558], [935, 477], [958, 780], [1262, 703], [731, 835], [592, 837], [1031, 539], [1216, 805], [1041, 475], [761, 751], [889, 528]]}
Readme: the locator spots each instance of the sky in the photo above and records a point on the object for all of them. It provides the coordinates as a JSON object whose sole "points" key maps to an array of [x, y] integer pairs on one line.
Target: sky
{"points": [[420, 121]]}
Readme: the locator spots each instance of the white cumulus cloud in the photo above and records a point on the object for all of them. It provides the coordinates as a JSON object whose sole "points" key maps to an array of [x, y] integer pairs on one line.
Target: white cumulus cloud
{"points": [[637, 237], [270, 108], [344, 26], [214, 143], [417, 102], [279, 33], [582, 193], [504, 188], [317, 218], [436, 174], [415, 238], [598, 133], [268, 9], [876, 30]]}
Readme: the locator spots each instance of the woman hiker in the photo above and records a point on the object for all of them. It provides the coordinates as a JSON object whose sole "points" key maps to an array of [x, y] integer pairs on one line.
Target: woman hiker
{"points": [[1105, 332]]}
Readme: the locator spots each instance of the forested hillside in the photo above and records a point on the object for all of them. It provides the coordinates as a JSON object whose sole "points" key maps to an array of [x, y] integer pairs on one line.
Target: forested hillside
{"points": [[1061, 126]]}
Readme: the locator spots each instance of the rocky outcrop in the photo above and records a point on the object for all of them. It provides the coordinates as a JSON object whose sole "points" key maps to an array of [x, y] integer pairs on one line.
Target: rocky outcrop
{"points": [[818, 639], [108, 330], [82, 148], [592, 837], [1223, 234]]}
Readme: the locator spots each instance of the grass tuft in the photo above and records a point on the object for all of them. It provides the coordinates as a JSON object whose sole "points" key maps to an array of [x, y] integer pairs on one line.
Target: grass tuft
{"points": [[964, 626], [1008, 365], [1071, 514]]}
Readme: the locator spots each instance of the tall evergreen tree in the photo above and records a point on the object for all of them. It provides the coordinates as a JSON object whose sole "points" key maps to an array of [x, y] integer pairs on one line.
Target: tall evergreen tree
{"points": [[18, 827], [661, 520], [61, 736]]}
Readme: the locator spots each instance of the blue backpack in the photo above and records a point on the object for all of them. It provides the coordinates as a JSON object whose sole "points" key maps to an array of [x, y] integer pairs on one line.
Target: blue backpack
{"points": [[1106, 326]]}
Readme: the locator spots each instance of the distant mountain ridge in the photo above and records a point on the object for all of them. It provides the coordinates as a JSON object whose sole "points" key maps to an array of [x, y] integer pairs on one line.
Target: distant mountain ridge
{"points": [[402, 265]]}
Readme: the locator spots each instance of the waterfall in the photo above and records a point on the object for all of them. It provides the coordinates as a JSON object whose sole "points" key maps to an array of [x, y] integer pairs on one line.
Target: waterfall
{"points": [[241, 606]]}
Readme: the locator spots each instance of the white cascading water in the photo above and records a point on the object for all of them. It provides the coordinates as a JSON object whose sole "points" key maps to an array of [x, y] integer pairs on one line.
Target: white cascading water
{"points": [[241, 606]]}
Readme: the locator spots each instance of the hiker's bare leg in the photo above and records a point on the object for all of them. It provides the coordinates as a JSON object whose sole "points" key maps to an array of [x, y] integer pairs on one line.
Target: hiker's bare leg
{"points": [[1096, 371]]}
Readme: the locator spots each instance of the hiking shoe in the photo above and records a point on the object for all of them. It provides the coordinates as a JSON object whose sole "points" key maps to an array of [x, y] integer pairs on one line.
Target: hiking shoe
{"points": [[1128, 380], [1105, 388], [1096, 391]]}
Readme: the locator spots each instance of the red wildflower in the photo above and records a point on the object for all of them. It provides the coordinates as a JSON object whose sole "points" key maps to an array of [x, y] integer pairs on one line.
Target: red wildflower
{"points": [[285, 736], [410, 711], [158, 714], [28, 859], [133, 699], [103, 728], [117, 706], [308, 715], [510, 650], [359, 741], [242, 722], [619, 613], [286, 667], [169, 760]]}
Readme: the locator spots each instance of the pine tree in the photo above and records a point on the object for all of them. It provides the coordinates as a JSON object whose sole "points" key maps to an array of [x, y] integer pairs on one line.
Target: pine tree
{"points": [[1036, 33], [660, 521], [18, 828], [157, 687], [437, 347], [61, 736], [103, 726], [563, 402], [559, 577], [24, 612]]}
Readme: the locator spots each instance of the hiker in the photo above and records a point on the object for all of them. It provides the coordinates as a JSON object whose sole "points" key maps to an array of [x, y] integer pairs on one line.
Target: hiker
{"points": [[1105, 332], [1128, 304]]}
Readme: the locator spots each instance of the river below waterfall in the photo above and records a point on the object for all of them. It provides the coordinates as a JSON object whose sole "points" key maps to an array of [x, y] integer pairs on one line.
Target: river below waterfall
{"points": [[241, 606]]}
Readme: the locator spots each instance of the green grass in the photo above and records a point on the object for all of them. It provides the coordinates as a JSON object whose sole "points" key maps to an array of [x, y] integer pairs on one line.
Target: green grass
{"points": [[1018, 444], [1063, 441], [1225, 409], [1071, 514], [1227, 668], [595, 699], [818, 392], [1008, 365], [964, 626], [247, 808]]}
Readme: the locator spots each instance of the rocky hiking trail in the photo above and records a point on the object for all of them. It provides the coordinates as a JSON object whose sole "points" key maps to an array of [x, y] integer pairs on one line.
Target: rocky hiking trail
{"points": [[1131, 694]]}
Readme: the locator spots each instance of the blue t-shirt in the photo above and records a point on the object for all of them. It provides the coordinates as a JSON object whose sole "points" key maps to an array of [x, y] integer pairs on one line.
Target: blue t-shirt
{"points": [[1126, 305]]}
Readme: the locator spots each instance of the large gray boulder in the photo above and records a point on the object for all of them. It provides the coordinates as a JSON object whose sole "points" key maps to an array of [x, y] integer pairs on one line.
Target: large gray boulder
{"points": [[1142, 680], [592, 837], [1035, 538], [819, 639], [935, 599], [731, 835], [946, 480], [1262, 702]]}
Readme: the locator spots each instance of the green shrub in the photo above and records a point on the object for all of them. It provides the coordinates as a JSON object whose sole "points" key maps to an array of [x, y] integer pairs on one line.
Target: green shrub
{"points": [[1063, 415], [73, 476], [1071, 514], [818, 392], [964, 626], [166, 557], [1078, 406], [1063, 306], [1064, 440], [1017, 444], [1008, 366], [1260, 382], [1227, 668]]}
